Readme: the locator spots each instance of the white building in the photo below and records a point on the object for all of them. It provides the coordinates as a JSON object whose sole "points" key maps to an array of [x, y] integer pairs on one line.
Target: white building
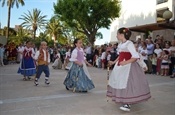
{"points": [[144, 15]]}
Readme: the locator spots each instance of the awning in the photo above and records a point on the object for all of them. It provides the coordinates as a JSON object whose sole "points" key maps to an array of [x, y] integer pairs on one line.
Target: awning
{"points": [[154, 26]]}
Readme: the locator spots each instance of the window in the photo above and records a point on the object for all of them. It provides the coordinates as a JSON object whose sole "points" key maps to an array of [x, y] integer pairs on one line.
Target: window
{"points": [[161, 1]]}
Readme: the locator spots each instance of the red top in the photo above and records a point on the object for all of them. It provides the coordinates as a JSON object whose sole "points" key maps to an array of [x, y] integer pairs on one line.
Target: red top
{"points": [[27, 54], [124, 56]]}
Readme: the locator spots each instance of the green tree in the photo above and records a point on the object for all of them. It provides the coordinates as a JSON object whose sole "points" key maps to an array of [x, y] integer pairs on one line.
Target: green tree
{"points": [[10, 4], [34, 20], [87, 16], [53, 28]]}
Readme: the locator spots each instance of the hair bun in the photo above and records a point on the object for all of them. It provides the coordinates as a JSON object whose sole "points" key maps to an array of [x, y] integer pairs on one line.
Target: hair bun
{"points": [[125, 30]]}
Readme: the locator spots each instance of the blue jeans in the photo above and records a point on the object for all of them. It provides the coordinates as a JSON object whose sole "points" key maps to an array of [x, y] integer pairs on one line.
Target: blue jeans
{"points": [[42, 68]]}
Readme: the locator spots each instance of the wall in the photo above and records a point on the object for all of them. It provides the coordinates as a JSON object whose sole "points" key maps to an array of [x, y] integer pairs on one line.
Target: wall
{"points": [[134, 13], [138, 12]]}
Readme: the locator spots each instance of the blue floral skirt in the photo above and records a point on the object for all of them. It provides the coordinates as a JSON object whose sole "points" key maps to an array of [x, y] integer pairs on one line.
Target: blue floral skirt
{"points": [[27, 67], [77, 80]]}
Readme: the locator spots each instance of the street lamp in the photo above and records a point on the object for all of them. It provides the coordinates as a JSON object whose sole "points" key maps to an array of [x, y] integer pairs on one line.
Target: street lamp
{"points": [[167, 15]]}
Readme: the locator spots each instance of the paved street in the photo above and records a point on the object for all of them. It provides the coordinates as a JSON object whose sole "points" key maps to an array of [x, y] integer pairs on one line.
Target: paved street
{"points": [[18, 97]]}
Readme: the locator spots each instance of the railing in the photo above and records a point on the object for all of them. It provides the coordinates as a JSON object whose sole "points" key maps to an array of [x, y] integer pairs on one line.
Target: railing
{"points": [[161, 1]]}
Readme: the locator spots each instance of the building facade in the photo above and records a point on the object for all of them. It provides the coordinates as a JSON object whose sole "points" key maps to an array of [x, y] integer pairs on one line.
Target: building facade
{"points": [[138, 15]]}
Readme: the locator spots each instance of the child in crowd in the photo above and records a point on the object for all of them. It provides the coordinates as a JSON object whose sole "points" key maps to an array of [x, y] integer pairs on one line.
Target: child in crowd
{"points": [[165, 64], [96, 60], [154, 63], [99, 61], [103, 58], [43, 58], [158, 51], [108, 56]]}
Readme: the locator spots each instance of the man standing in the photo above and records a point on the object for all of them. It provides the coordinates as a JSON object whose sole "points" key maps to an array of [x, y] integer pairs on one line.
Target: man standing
{"points": [[150, 49]]}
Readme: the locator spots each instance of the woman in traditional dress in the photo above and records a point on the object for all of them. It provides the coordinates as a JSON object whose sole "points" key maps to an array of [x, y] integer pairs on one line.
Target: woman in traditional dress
{"points": [[57, 63], [66, 60], [127, 82], [27, 65], [78, 78]]}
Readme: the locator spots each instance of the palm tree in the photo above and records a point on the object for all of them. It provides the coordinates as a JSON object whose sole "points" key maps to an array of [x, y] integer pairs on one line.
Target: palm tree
{"points": [[10, 4], [33, 20], [53, 28]]}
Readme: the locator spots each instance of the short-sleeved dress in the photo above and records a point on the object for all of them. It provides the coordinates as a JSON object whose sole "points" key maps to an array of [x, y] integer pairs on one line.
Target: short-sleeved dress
{"points": [[128, 84], [27, 64], [78, 78]]}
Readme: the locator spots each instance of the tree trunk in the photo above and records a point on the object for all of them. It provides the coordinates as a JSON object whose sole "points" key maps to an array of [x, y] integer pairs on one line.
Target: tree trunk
{"points": [[8, 21], [91, 37], [34, 35], [92, 40]]}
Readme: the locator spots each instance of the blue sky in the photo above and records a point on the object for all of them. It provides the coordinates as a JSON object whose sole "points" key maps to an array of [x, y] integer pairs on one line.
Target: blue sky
{"points": [[46, 7]]}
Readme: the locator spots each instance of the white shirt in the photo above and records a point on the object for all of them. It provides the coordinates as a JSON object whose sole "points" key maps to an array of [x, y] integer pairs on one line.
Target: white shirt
{"points": [[103, 55], [57, 55], [20, 50], [128, 46], [67, 55], [146, 52], [37, 55], [74, 54], [169, 50], [28, 50], [172, 48], [158, 52], [140, 48], [109, 57], [141, 62], [88, 50]]}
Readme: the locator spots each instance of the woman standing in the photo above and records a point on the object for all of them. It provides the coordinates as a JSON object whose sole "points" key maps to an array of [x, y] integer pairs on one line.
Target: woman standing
{"points": [[127, 82], [78, 77]]}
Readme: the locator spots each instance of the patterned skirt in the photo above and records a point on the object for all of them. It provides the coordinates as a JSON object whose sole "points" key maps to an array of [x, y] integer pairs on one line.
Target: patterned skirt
{"points": [[77, 79], [137, 89], [27, 67]]}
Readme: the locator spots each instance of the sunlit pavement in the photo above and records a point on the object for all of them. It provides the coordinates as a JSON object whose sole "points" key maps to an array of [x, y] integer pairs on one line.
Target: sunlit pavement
{"points": [[18, 97]]}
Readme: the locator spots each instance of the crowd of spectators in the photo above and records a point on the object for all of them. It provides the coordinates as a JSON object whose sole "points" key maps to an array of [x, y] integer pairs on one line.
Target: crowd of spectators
{"points": [[158, 54]]}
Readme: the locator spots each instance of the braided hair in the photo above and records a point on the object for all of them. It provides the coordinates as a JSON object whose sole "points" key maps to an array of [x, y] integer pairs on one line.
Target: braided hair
{"points": [[127, 33]]}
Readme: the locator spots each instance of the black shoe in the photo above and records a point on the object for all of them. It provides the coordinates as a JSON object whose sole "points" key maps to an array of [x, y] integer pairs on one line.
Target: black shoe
{"points": [[24, 79], [67, 88], [84, 91], [172, 76], [47, 82], [36, 83], [125, 107], [29, 78]]}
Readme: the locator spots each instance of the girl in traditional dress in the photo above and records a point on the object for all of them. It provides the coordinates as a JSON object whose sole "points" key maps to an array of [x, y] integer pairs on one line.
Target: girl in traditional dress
{"points": [[27, 65], [78, 77], [127, 82]]}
